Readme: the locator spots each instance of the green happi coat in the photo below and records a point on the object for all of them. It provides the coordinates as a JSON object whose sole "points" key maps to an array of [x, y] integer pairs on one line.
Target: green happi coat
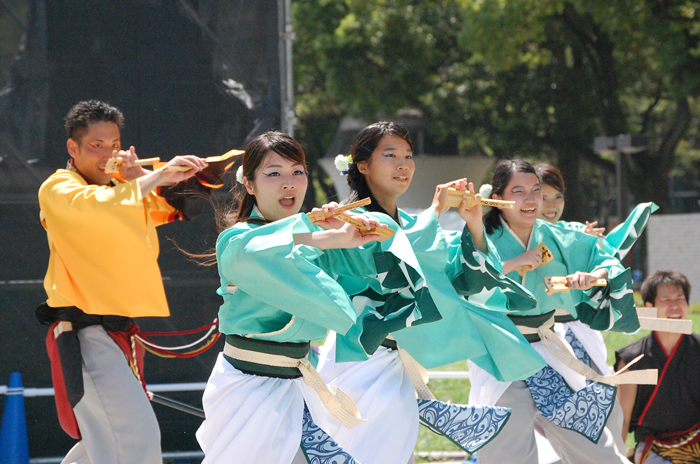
{"points": [[277, 280], [620, 240], [602, 308], [466, 288]]}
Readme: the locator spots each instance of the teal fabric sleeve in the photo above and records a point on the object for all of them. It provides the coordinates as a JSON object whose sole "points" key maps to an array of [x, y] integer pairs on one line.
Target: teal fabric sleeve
{"points": [[387, 288], [624, 236], [466, 330], [277, 275]]}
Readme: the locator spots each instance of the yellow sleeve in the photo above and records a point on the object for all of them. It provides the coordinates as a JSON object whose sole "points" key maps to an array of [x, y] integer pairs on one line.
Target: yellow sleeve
{"points": [[158, 207], [160, 210]]}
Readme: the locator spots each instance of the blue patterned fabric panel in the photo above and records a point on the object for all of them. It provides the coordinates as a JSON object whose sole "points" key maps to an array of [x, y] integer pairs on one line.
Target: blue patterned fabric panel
{"points": [[319, 447], [469, 427], [579, 350], [585, 411]]}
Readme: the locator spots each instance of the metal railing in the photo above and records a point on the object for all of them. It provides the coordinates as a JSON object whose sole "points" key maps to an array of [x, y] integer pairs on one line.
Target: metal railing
{"points": [[199, 386]]}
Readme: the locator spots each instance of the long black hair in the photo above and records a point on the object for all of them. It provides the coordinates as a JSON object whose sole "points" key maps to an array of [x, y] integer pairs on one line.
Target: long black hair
{"points": [[502, 174], [364, 145], [240, 209]]}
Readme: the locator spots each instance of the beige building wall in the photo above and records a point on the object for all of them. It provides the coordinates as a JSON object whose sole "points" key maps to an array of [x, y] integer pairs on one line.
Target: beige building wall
{"points": [[674, 244]]}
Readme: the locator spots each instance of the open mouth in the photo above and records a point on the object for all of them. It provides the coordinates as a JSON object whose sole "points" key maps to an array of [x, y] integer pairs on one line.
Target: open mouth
{"points": [[288, 201], [550, 216], [401, 178], [674, 316], [528, 210]]}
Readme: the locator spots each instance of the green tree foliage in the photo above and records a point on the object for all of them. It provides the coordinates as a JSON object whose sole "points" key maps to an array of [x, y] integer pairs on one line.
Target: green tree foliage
{"points": [[614, 67], [515, 78], [367, 59]]}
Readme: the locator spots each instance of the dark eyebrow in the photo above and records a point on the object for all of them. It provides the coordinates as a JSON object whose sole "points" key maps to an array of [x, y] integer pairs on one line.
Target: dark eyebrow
{"points": [[280, 166]]}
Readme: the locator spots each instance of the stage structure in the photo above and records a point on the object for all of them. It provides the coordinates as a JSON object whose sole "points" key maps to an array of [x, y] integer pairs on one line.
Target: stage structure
{"points": [[192, 77]]}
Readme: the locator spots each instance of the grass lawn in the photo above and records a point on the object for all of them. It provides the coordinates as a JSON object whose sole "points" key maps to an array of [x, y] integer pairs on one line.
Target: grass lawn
{"points": [[457, 390]]}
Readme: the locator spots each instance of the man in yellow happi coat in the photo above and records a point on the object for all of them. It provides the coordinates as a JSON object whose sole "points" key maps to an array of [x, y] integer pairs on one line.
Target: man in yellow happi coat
{"points": [[102, 271]]}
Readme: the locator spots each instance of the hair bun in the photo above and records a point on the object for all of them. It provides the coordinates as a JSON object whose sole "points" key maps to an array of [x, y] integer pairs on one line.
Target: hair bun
{"points": [[486, 190]]}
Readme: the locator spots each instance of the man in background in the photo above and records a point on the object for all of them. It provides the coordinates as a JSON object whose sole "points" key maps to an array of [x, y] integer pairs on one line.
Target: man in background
{"points": [[665, 418]]}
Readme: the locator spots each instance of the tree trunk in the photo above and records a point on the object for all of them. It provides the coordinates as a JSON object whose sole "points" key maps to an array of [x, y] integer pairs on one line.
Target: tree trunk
{"points": [[649, 171]]}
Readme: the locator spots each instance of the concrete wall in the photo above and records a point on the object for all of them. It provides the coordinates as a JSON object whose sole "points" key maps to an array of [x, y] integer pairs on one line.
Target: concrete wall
{"points": [[673, 244]]}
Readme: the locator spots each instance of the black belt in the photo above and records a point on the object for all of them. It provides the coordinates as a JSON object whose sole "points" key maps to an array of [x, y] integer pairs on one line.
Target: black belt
{"points": [[533, 321], [390, 344], [290, 350], [47, 315], [565, 318]]}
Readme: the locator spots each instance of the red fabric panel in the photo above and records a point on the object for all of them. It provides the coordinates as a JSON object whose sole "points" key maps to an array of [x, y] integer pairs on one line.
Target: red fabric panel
{"points": [[66, 417]]}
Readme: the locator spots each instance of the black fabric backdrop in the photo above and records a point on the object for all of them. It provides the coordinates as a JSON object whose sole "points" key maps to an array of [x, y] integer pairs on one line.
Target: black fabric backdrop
{"points": [[191, 77]]}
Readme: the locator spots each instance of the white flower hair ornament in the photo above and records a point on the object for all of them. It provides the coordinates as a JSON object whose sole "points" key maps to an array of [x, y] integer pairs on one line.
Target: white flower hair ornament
{"points": [[342, 163], [485, 191], [239, 174]]}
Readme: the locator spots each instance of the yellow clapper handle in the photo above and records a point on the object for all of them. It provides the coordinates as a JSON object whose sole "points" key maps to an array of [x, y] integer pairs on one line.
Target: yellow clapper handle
{"points": [[383, 232], [455, 197], [209, 160], [113, 164], [561, 284]]}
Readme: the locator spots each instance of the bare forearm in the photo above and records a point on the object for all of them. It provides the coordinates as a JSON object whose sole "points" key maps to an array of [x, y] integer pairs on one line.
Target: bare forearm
{"points": [[478, 237], [323, 240], [150, 181], [510, 266], [600, 274]]}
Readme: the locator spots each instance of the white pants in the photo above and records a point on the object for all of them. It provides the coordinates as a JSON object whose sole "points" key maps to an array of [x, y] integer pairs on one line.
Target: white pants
{"points": [[386, 398], [254, 419], [115, 417]]}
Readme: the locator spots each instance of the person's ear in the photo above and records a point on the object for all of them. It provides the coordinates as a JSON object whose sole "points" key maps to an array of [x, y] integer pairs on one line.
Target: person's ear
{"points": [[363, 167], [72, 147], [248, 186], [648, 305]]}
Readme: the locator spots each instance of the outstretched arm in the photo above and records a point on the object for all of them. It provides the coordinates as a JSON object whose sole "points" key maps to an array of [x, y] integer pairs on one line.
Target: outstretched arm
{"points": [[163, 176], [347, 236], [149, 180], [582, 280]]}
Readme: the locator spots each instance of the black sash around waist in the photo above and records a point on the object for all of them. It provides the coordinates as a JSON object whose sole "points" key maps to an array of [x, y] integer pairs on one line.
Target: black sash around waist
{"points": [[47, 315], [290, 350], [565, 318], [532, 321], [390, 344]]}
